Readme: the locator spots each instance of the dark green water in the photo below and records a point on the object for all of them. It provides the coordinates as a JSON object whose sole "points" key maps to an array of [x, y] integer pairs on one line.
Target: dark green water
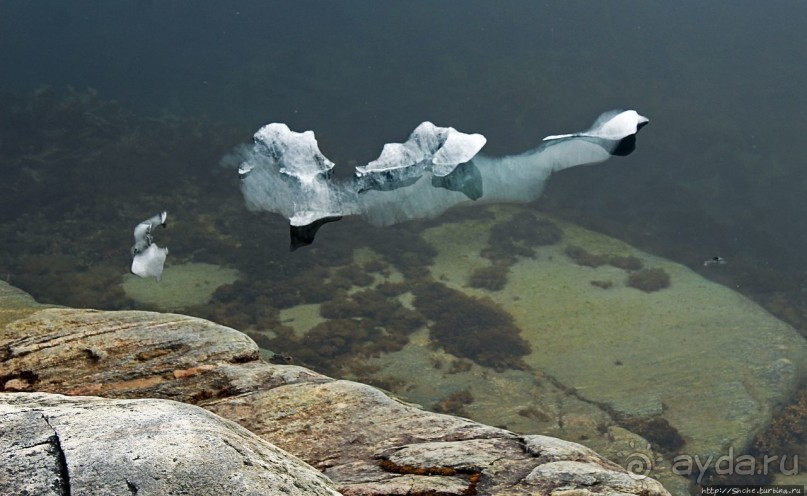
{"points": [[164, 89]]}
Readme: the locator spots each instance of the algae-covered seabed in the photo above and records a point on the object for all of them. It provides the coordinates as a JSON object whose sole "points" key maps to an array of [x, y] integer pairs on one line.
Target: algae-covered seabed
{"points": [[693, 367], [561, 348]]}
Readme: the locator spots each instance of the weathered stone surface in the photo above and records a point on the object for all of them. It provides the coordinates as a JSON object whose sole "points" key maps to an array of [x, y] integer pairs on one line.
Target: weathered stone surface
{"points": [[29, 455], [54, 444], [15, 304], [551, 449], [365, 441], [575, 474]]}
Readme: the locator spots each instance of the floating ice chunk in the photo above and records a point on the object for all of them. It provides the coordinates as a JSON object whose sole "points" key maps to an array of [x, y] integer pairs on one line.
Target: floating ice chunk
{"points": [[244, 170], [517, 178], [296, 154], [457, 149], [520, 178], [613, 133], [150, 262], [147, 257], [142, 232], [435, 169], [612, 125], [285, 172], [438, 149]]}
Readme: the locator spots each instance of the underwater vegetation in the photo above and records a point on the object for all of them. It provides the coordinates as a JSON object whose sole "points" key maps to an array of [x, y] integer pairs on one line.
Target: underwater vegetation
{"points": [[62, 232], [583, 257], [360, 325], [534, 413], [402, 247], [627, 262], [508, 240], [492, 278], [59, 145], [356, 275], [658, 431], [373, 306], [519, 236], [787, 429], [474, 328], [337, 339], [470, 328], [335, 346], [649, 280], [459, 366], [230, 306], [392, 289], [454, 403]]}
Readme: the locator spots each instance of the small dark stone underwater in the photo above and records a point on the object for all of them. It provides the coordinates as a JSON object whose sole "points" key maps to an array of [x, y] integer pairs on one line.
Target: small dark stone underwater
{"points": [[605, 311]]}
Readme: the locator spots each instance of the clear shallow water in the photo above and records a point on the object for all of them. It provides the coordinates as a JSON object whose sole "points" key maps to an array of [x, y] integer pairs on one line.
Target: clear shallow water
{"points": [[717, 172]]}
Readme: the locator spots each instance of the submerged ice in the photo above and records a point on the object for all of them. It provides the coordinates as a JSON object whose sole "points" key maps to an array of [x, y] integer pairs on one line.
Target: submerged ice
{"points": [[436, 168]]}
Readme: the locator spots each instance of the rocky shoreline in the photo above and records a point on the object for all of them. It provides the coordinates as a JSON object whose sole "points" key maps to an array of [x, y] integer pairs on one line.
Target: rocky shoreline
{"points": [[362, 440]]}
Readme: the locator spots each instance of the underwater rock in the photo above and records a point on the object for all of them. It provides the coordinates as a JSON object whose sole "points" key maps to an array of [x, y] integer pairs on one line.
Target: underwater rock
{"points": [[697, 358], [54, 444], [366, 442], [182, 286], [436, 168]]}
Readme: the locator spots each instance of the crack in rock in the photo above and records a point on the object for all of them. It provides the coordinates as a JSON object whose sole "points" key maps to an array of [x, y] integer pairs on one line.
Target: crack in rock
{"points": [[64, 472], [132, 488]]}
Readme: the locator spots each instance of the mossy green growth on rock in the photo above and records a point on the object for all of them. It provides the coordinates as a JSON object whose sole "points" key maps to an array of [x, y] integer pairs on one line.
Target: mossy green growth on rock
{"points": [[474, 328]]}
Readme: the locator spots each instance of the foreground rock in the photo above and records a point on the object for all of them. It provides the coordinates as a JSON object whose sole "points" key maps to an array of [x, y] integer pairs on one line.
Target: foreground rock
{"points": [[366, 442], [54, 444]]}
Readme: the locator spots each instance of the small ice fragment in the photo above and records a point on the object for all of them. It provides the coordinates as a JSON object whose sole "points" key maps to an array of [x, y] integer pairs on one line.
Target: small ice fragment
{"points": [[147, 257], [150, 262], [715, 261], [244, 170]]}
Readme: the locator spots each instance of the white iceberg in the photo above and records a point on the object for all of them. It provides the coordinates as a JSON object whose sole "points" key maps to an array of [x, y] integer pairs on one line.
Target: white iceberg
{"points": [[436, 168]]}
